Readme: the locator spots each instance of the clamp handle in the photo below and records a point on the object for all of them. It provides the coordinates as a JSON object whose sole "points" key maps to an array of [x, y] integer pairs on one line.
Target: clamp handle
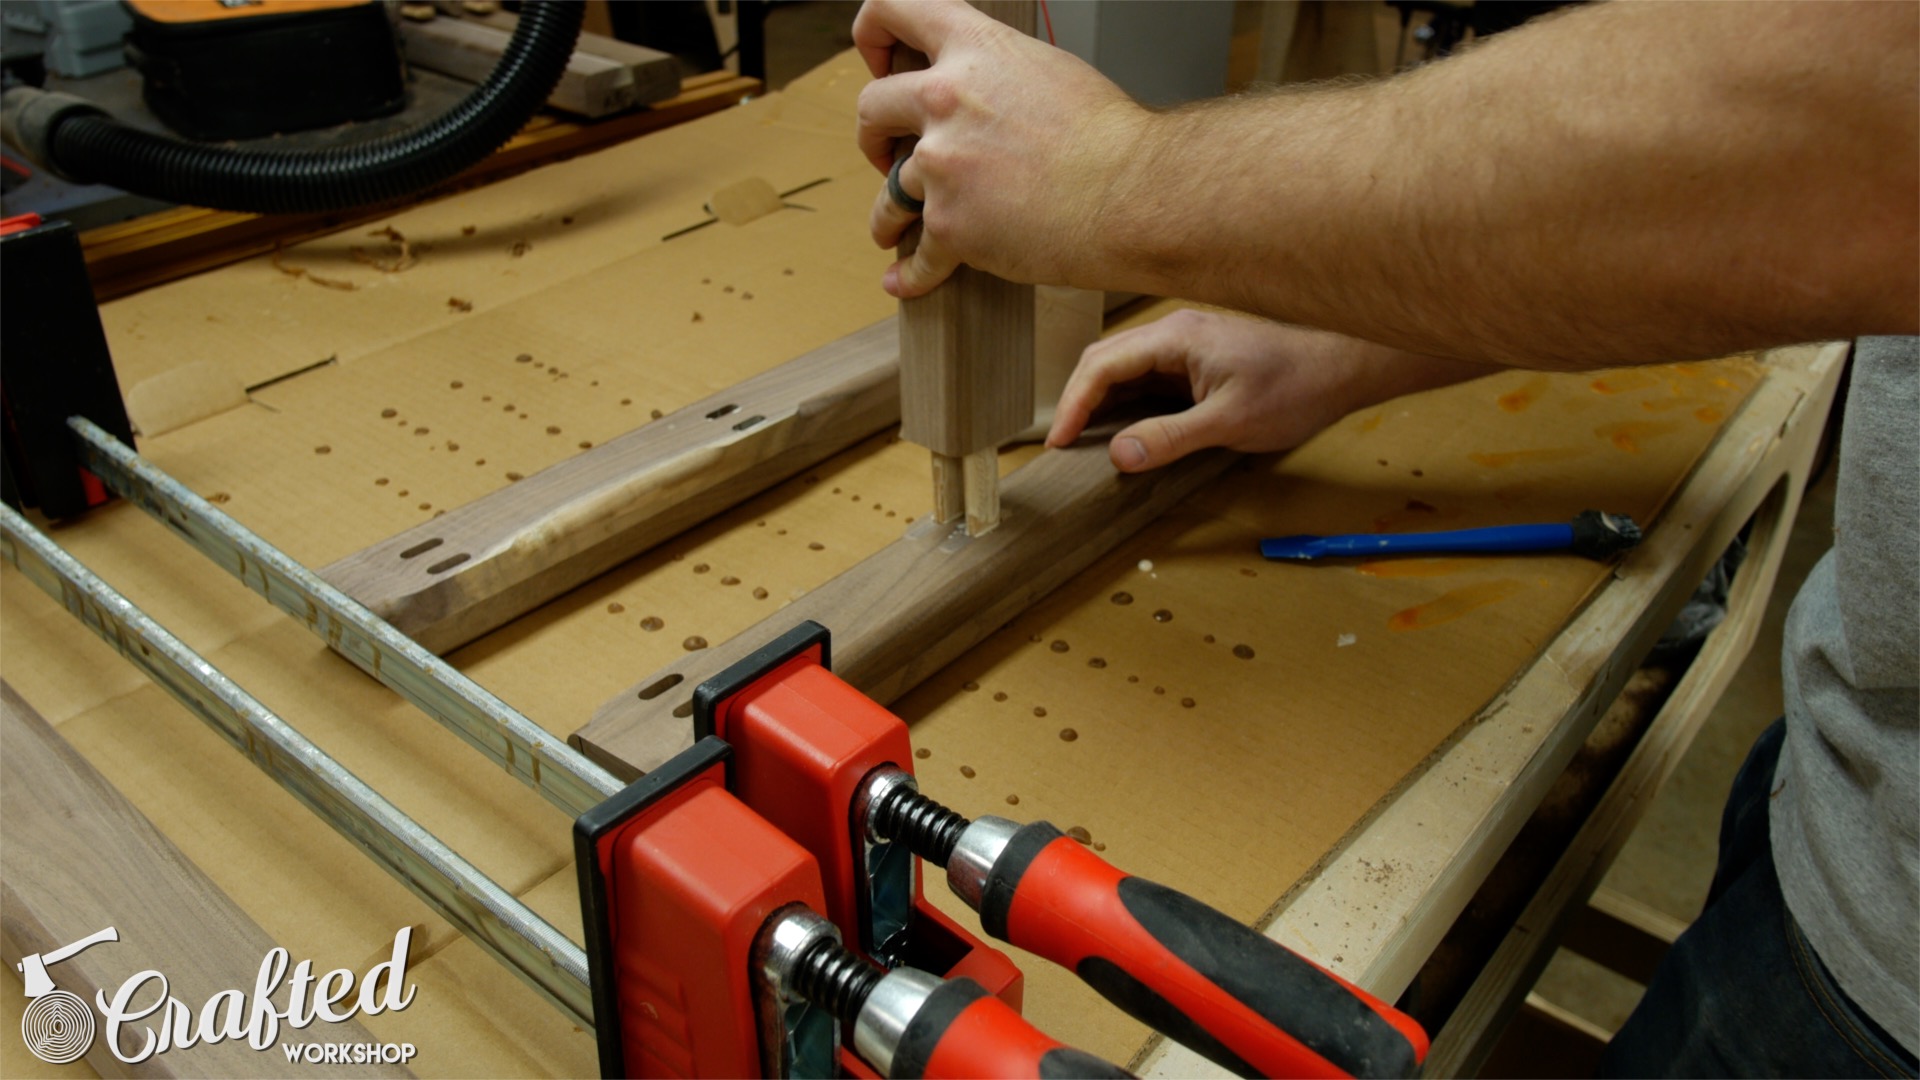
{"points": [[961, 1031], [1243, 1000]]}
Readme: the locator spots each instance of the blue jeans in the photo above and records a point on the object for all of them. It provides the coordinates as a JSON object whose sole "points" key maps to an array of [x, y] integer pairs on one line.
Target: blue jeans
{"points": [[1742, 993]]}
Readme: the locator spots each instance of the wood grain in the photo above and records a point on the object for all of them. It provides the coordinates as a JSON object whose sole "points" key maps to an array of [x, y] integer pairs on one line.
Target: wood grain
{"points": [[1473, 1032], [652, 80], [446, 581], [966, 363], [593, 84], [966, 358], [911, 608], [78, 858]]}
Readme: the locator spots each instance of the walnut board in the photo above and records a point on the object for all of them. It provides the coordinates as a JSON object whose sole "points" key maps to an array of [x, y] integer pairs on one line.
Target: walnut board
{"points": [[133, 880], [1232, 799]]}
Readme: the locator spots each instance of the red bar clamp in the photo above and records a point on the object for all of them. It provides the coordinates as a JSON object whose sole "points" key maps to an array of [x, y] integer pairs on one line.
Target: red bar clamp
{"points": [[806, 749]]}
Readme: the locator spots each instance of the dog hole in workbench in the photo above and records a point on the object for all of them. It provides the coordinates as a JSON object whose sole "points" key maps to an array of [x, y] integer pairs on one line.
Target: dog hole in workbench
{"points": [[748, 422], [448, 563], [662, 686], [722, 411], [421, 548]]}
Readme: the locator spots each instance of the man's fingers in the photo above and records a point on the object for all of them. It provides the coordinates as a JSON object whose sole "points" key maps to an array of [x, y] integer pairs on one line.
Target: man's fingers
{"points": [[920, 25], [1122, 358], [889, 109], [917, 274], [1161, 440]]}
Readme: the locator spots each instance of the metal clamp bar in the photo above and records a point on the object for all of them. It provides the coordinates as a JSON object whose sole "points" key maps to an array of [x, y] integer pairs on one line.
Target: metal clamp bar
{"points": [[541, 760], [485, 912]]}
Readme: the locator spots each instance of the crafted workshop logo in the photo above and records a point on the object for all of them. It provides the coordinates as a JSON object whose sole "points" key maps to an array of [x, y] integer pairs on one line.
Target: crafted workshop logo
{"points": [[59, 1026]]}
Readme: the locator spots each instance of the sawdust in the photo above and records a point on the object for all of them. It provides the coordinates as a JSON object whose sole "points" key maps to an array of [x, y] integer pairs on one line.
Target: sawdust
{"points": [[303, 272], [398, 254]]}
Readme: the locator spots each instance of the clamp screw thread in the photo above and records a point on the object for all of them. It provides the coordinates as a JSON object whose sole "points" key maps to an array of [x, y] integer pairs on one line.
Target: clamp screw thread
{"points": [[830, 975], [929, 829]]}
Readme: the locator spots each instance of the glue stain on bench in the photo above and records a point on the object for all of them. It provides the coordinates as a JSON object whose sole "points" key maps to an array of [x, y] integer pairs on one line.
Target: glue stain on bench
{"points": [[1449, 606]]}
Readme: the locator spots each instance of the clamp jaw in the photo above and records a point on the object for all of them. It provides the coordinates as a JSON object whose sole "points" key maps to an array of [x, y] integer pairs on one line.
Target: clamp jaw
{"points": [[807, 749]]}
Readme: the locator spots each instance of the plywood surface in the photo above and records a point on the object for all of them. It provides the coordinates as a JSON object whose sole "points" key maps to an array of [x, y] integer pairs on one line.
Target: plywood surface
{"points": [[1222, 747]]}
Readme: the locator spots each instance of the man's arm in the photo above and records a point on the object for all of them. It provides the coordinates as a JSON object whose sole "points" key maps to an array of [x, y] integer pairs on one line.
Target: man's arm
{"points": [[1625, 183]]}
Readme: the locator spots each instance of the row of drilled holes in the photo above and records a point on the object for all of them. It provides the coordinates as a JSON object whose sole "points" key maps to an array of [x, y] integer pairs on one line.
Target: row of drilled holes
{"points": [[452, 561]]}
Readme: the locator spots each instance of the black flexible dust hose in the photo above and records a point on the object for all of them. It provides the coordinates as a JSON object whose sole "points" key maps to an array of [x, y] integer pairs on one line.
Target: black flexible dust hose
{"points": [[97, 149]]}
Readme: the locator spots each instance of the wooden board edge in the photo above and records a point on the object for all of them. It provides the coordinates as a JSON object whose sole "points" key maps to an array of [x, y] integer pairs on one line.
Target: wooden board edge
{"points": [[917, 604], [527, 543], [156, 884], [1470, 1037]]}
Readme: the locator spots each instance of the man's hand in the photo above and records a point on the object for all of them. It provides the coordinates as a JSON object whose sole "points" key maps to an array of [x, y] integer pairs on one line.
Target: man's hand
{"points": [[1018, 142], [1626, 183], [1256, 385]]}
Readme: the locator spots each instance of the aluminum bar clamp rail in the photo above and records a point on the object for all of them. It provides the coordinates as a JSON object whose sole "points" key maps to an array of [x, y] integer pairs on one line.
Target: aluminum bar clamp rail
{"points": [[538, 759], [485, 912]]}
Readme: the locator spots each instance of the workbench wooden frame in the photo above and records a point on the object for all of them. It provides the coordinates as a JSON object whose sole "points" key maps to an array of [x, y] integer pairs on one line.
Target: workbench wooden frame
{"points": [[1447, 826]]}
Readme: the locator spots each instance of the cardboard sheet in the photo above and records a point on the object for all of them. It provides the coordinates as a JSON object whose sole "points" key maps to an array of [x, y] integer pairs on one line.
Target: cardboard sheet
{"points": [[1229, 720]]}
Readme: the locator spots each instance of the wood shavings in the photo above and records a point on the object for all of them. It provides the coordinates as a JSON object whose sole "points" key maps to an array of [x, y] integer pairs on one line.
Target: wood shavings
{"points": [[1344, 640], [399, 255], [303, 272]]}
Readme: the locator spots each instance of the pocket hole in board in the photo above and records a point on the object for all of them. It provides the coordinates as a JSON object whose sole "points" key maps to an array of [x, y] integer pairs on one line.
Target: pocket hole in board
{"points": [[662, 686], [723, 410], [448, 563], [748, 422], [422, 548]]}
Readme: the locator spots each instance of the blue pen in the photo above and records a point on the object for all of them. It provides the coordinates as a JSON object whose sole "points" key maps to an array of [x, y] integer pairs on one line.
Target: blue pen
{"points": [[1591, 534]]}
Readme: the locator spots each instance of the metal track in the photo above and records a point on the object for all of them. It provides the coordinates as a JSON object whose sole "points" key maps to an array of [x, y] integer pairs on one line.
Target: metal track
{"points": [[542, 761], [484, 911]]}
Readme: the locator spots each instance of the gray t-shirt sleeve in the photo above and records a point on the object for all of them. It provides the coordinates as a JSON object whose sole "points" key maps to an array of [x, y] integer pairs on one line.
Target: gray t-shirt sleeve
{"points": [[1846, 814]]}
